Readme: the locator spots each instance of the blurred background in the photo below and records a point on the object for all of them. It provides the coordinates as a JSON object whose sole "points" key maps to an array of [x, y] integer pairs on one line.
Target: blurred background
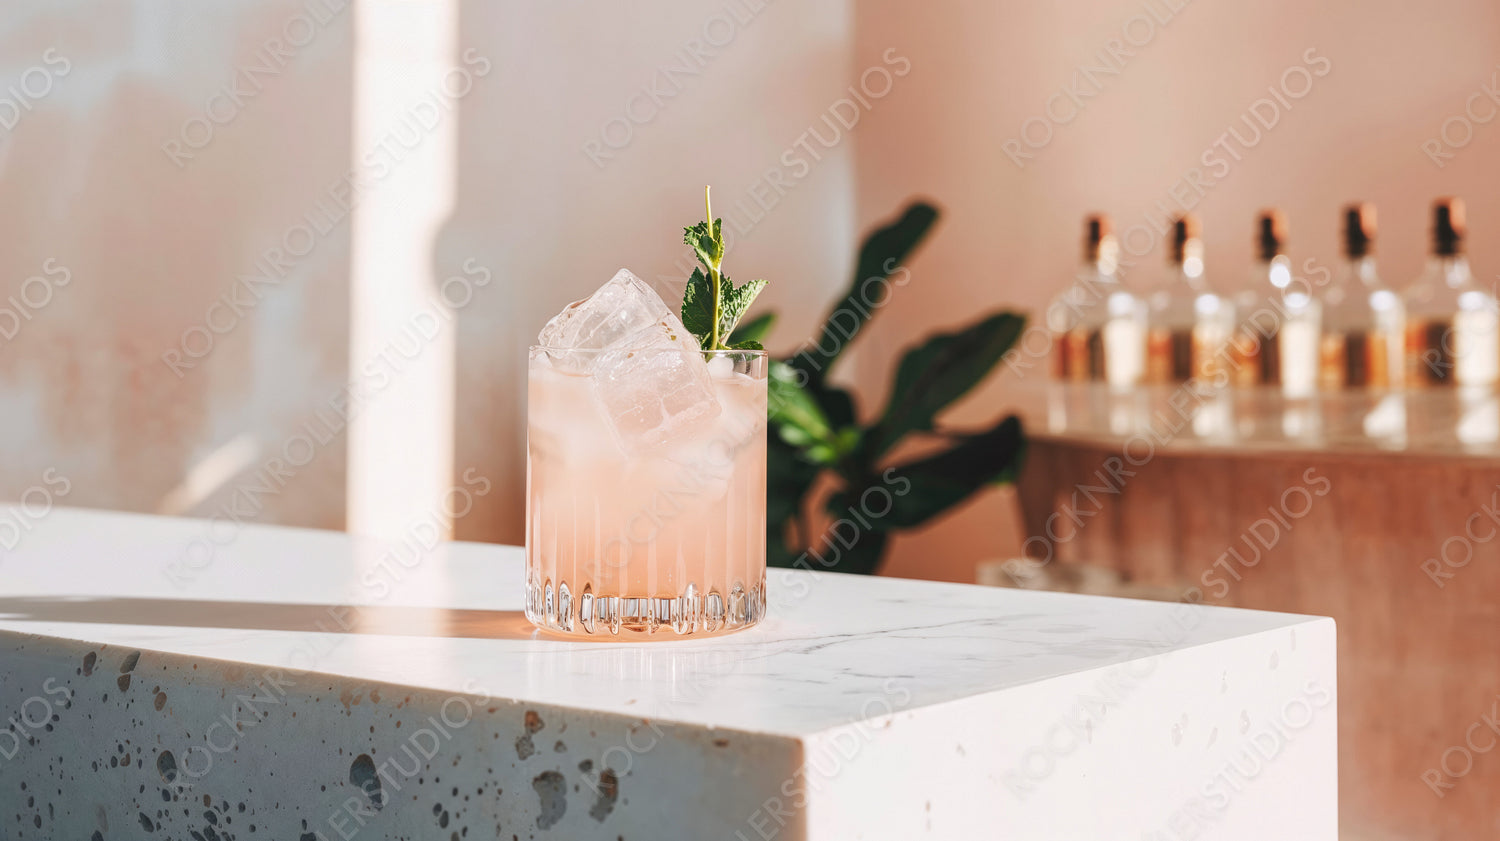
{"points": [[279, 261]]}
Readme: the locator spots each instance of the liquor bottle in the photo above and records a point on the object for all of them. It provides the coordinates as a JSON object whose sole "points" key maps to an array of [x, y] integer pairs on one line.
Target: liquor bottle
{"points": [[1103, 338], [1276, 342], [1188, 323], [1451, 321], [1298, 316], [1252, 350], [1363, 321]]}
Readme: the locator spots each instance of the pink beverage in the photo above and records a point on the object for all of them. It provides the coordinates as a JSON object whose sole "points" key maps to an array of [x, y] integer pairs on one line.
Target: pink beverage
{"points": [[633, 540]]}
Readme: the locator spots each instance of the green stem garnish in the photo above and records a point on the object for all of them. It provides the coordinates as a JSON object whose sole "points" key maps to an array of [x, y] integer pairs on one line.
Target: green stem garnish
{"points": [[713, 273], [711, 304]]}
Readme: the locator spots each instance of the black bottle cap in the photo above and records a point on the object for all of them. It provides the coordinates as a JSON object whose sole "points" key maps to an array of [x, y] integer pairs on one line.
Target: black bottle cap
{"points": [[1096, 226], [1359, 230], [1184, 228], [1270, 230], [1448, 227]]}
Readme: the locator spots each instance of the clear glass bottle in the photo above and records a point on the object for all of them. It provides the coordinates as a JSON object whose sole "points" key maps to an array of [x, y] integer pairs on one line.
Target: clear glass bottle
{"points": [[1103, 336], [1452, 328], [1249, 356], [1188, 323], [1363, 321], [1276, 342]]}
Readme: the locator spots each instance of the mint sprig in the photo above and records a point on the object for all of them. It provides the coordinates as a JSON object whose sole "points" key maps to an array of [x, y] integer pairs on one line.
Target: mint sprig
{"points": [[712, 305]]}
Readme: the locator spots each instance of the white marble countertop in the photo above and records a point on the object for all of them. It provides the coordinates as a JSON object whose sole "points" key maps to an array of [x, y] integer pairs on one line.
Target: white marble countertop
{"points": [[325, 602], [307, 682]]}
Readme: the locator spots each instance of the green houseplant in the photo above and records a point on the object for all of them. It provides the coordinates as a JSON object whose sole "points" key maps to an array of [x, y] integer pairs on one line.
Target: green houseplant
{"points": [[818, 445]]}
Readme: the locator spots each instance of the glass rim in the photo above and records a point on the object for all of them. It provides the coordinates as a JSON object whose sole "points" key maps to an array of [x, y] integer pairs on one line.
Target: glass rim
{"points": [[597, 351]]}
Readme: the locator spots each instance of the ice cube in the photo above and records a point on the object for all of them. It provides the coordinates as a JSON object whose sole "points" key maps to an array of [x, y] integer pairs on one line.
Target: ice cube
{"points": [[648, 376], [654, 392], [703, 463], [624, 306], [721, 367]]}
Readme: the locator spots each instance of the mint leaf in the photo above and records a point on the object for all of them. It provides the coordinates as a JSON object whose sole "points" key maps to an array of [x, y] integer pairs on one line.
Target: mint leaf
{"points": [[748, 344], [698, 308], [706, 242], [735, 301], [711, 305]]}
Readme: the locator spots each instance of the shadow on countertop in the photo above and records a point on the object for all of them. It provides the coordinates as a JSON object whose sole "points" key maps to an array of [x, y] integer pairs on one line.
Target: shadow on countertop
{"points": [[393, 620]]}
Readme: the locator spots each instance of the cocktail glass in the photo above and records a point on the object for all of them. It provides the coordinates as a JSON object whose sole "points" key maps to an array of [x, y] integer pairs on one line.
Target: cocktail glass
{"points": [[665, 540]]}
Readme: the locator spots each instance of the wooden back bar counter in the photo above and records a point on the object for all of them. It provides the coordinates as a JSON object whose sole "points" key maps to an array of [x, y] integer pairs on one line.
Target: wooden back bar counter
{"points": [[1381, 511]]}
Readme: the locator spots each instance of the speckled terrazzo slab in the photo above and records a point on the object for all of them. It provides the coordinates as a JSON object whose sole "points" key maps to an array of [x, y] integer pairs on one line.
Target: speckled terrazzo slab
{"points": [[167, 678]]}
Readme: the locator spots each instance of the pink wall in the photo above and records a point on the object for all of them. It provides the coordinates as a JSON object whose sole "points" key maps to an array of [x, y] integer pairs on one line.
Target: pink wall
{"points": [[128, 251]]}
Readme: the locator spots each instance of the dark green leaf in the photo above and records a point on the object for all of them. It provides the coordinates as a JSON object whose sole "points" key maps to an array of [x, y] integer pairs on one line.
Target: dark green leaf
{"points": [[920, 490], [788, 479], [880, 256], [941, 370], [754, 330], [834, 451], [778, 553], [846, 546], [846, 439], [698, 307], [819, 452], [796, 417], [837, 403], [747, 344]]}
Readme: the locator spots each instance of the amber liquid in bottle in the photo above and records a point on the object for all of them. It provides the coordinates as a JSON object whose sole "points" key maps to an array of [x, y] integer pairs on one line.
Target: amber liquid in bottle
{"points": [[1244, 357], [1094, 342], [1065, 365], [1189, 324], [1079, 355], [1270, 359], [1429, 352], [1176, 356], [1356, 359]]}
